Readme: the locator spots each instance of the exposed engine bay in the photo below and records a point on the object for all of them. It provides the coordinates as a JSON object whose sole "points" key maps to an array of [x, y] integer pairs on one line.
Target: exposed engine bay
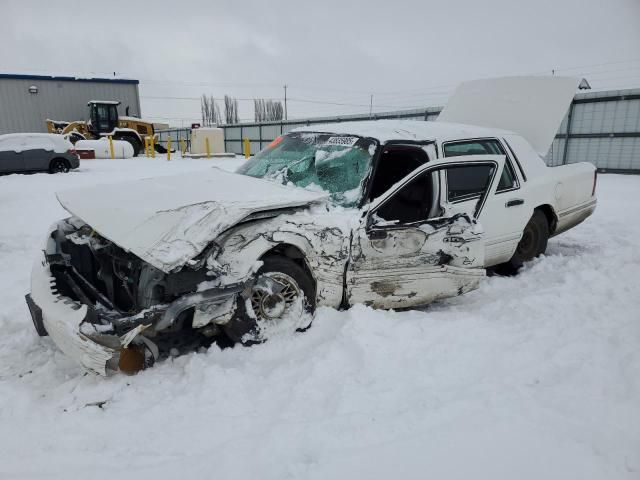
{"points": [[130, 300], [108, 275]]}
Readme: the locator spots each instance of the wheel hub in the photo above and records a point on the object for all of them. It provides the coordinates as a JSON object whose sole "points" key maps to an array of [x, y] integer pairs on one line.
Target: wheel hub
{"points": [[273, 306], [273, 295]]}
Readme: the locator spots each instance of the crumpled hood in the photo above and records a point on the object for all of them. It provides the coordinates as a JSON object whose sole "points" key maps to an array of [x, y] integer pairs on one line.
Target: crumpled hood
{"points": [[166, 221]]}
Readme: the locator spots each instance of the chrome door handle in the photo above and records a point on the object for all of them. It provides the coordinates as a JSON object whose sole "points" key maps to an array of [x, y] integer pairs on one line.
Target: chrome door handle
{"points": [[513, 203], [377, 234]]}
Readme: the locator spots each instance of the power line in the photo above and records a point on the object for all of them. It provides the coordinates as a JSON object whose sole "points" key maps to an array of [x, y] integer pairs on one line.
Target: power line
{"points": [[564, 69], [202, 83], [417, 98], [298, 100]]}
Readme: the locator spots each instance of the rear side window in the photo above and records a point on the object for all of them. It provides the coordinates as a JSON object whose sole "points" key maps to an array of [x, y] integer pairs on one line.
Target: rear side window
{"points": [[38, 143], [467, 182], [473, 147], [508, 179]]}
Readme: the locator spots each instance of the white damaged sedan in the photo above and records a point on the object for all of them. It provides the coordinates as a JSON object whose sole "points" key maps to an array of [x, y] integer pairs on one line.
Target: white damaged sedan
{"points": [[383, 213]]}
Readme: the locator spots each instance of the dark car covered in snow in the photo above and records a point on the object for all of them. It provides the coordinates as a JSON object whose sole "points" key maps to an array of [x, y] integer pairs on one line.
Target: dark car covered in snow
{"points": [[36, 152]]}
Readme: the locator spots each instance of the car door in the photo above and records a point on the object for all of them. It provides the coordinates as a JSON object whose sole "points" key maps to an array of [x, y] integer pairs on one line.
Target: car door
{"points": [[10, 155], [507, 209], [37, 153], [409, 250]]}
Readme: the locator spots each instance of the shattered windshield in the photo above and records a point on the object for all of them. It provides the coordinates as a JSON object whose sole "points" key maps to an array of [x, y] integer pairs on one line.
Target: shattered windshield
{"points": [[337, 164]]}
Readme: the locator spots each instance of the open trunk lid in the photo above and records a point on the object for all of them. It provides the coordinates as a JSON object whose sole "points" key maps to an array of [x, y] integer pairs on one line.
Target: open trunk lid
{"points": [[531, 106], [166, 221]]}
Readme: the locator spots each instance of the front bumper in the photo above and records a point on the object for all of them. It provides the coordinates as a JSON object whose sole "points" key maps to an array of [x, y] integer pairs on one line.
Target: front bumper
{"points": [[61, 317], [36, 316], [90, 338]]}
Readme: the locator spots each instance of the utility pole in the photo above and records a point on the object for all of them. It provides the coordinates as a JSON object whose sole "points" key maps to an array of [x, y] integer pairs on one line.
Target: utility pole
{"points": [[285, 102], [370, 106]]}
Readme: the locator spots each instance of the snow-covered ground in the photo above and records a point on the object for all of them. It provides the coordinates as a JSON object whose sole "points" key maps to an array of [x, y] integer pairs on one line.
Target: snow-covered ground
{"points": [[531, 377]]}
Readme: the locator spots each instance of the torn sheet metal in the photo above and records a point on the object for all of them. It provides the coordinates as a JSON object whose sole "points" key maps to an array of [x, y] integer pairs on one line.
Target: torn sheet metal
{"points": [[415, 265]]}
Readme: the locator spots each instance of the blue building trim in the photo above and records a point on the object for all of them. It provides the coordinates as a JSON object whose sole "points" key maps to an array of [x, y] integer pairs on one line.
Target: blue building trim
{"points": [[68, 79]]}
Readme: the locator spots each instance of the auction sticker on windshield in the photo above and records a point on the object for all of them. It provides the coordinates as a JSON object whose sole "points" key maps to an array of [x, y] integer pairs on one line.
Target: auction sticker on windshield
{"points": [[344, 141], [275, 142]]}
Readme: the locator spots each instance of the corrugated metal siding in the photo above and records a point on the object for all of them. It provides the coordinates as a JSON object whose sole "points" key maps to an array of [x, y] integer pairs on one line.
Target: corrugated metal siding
{"points": [[21, 111], [604, 130]]}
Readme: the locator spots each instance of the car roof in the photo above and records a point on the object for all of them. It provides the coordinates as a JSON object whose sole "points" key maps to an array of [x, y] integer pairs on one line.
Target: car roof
{"points": [[54, 137], [416, 130], [30, 134]]}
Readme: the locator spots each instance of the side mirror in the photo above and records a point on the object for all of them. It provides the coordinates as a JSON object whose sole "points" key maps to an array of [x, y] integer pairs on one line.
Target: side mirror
{"points": [[374, 220]]}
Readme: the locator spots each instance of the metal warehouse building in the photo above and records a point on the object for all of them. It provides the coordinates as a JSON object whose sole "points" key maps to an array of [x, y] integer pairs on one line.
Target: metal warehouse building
{"points": [[26, 101]]}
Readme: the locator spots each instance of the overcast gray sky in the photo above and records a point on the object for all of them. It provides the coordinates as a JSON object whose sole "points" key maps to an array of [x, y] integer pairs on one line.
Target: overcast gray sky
{"points": [[332, 55]]}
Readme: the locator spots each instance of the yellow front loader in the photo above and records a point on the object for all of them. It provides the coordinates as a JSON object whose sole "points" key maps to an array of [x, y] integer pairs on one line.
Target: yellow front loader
{"points": [[104, 121]]}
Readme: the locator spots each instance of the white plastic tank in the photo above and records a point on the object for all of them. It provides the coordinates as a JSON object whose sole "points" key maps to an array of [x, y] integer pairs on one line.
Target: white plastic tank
{"points": [[198, 142], [121, 149]]}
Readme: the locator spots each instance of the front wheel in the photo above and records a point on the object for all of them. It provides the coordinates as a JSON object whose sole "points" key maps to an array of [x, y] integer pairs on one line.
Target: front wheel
{"points": [[282, 300], [59, 166]]}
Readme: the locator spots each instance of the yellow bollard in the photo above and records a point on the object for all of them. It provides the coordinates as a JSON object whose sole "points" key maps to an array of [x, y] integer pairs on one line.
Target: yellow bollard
{"points": [[183, 146], [206, 146], [153, 147], [146, 146], [111, 151], [169, 149], [246, 144]]}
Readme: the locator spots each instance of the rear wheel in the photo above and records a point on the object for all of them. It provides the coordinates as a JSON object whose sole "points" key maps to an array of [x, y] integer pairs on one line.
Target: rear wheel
{"points": [[281, 300], [58, 165], [534, 240]]}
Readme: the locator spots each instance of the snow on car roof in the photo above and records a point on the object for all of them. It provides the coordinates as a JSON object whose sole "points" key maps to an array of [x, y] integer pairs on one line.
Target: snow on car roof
{"points": [[52, 136], [386, 130], [18, 142]]}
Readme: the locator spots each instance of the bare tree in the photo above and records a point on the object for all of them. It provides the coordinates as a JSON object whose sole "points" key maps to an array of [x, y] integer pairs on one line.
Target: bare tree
{"points": [[204, 108], [217, 116], [230, 109], [210, 111], [267, 110]]}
